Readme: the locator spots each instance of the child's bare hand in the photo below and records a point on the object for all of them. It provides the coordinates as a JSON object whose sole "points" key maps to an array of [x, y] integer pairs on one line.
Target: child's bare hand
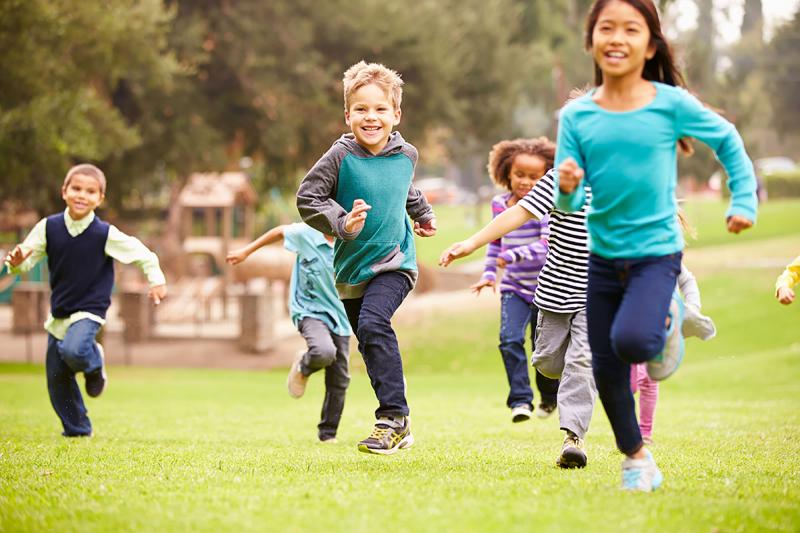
{"points": [[569, 175], [357, 217], [785, 295], [157, 293], [428, 229], [16, 256], [236, 256], [738, 223], [456, 251], [482, 284]]}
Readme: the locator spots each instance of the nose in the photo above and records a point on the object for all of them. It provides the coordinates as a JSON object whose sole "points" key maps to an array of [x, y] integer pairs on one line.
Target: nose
{"points": [[618, 35]]}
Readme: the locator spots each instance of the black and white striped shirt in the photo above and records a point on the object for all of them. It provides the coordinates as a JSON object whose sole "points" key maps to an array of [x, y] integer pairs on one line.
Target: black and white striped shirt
{"points": [[562, 281]]}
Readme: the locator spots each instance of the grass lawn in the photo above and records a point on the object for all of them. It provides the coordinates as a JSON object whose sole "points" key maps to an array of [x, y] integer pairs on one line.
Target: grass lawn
{"points": [[179, 450]]}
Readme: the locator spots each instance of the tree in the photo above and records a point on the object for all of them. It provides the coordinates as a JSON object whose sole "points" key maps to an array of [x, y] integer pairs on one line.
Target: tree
{"points": [[57, 84]]}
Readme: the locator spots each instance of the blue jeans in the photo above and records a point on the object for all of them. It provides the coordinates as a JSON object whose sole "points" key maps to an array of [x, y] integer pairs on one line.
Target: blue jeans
{"points": [[515, 317], [76, 353], [626, 308], [371, 319]]}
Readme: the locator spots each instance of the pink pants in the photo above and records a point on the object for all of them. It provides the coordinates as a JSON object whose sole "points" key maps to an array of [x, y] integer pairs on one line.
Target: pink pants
{"points": [[648, 396]]}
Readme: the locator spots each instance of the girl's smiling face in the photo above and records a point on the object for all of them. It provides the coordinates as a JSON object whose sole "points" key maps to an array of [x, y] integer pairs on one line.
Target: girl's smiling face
{"points": [[621, 42]]}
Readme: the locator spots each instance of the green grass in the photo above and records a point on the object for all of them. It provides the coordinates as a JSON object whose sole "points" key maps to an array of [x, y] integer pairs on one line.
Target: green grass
{"points": [[209, 450]]}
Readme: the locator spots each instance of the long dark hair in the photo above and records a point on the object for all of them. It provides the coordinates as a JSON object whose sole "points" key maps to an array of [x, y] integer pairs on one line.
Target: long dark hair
{"points": [[661, 67]]}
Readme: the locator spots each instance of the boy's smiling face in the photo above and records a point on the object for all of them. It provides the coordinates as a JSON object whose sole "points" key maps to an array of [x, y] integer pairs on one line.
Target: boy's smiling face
{"points": [[82, 195], [371, 117]]}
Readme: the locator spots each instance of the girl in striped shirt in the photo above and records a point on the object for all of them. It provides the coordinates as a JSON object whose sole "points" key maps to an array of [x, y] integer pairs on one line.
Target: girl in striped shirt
{"points": [[516, 166]]}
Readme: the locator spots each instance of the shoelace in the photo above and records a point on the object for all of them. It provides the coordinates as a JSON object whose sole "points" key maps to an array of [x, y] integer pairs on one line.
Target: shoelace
{"points": [[378, 432]]}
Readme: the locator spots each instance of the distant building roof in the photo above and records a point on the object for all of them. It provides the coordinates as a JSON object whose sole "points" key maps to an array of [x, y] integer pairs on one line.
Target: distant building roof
{"points": [[217, 190]]}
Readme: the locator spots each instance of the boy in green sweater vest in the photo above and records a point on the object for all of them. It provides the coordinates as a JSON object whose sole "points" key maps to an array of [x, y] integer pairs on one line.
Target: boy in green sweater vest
{"points": [[369, 172]]}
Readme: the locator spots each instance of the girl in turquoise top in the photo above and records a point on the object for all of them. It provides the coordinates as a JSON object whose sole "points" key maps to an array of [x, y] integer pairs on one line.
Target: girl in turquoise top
{"points": [[622, 138]]}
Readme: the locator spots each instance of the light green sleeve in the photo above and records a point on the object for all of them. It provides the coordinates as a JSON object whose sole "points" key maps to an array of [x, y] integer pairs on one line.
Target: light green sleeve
{"points": [[36, 241], [130, 250]]}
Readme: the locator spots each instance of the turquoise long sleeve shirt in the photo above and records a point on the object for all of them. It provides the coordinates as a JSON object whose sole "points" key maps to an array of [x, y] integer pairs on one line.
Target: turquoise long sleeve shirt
{"points": [[630, 162]]}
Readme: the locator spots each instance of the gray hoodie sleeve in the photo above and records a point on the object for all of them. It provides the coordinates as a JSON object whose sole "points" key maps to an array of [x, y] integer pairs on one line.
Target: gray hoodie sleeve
{"points": [[417, 206], [688, 287], [315, 197]]}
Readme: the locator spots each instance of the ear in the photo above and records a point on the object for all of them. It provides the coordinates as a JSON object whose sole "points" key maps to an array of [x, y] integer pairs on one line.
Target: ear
{"points": [[397, 113], [64, 192], [651, 51], [347, 117]]}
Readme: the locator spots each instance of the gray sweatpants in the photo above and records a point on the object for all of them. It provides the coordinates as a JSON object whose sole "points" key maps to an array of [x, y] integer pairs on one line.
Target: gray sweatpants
{"points": [[562, 351], [331, 352]]}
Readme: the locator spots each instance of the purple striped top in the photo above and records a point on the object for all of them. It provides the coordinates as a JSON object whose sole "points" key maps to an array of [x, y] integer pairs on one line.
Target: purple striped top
{"points": [[524, 250]]}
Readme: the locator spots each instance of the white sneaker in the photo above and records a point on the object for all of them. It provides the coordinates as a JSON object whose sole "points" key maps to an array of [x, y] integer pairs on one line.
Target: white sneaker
{"points": [[296, 382], [520, 413], [641, 474], [667, 362], [696, 324]]}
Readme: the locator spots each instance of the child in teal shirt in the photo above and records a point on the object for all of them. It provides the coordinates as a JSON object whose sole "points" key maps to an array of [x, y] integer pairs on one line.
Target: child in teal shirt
{"points": [[621, 138]]}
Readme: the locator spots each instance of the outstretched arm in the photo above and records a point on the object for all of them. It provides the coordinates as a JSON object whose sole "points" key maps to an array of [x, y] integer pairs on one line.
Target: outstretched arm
{"points": [[240, 254], [788, 279], [508, 220], [24, 257], [130, 250]]}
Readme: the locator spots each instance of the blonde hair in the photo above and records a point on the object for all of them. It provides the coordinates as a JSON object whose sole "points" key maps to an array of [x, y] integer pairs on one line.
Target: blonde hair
{"points": [[503, 154], [362, 74], [87, 169]]}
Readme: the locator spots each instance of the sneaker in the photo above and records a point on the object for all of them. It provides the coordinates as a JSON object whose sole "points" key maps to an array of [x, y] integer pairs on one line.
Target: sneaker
{"points": [[520, 413], [647, 440], [543, 410], [667, 362], [388, 436], [296, 381], [572, 454], [97, 379], [328, 440], [641, 474], [696, 324]]}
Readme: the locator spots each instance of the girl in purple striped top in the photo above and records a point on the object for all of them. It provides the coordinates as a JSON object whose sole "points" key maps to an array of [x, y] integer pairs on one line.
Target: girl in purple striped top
{"points": [[516, 166]]}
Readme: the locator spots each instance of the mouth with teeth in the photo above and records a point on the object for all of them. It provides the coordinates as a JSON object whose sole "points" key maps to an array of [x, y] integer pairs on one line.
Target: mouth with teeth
{"points": [[615, 56]]}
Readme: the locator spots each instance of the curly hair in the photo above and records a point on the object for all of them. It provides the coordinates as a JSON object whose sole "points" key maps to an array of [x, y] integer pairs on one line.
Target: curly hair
{"points": [[503, 154], [362, 74]]}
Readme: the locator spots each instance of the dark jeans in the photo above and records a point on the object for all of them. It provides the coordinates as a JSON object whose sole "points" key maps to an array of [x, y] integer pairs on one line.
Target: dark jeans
{"points": [[371, 319], [627, 305], [76, 353], [331, 352], [515, 317]]}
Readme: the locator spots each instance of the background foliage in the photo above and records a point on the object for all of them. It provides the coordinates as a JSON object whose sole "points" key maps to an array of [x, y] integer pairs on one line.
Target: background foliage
{"points": [[152, 90]]}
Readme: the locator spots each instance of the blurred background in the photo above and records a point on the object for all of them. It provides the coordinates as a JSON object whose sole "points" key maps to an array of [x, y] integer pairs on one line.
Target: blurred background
{"points": [[154, 90], [206, 114]]}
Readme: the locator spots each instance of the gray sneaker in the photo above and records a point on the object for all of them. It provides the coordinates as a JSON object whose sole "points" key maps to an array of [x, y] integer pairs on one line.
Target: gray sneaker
{"points": [[572, 454], [388, 436], [641, 474]]}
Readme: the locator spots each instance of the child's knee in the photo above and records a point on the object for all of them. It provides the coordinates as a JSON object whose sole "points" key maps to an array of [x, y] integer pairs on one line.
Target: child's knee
{"points": [[76, 355], [635, 345], [548, 365], [322, 356]]}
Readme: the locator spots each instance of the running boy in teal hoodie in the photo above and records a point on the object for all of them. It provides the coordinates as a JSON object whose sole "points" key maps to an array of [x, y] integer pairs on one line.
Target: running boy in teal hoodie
{"points": [[369, 172]]}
